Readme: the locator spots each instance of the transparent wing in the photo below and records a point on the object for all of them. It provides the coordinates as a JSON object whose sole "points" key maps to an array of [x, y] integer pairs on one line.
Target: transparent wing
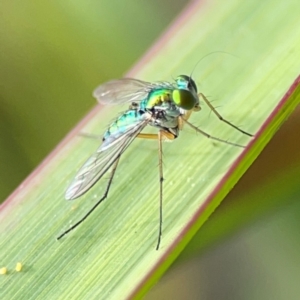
{"points": [[126, 90], [100, 162]]}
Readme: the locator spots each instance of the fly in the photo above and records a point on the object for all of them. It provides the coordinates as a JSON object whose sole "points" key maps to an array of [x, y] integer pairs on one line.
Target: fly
{"points": [[166, 106]]}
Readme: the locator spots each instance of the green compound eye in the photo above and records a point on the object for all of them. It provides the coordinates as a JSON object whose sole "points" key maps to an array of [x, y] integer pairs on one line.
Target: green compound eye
{"points": [[184, 99]]}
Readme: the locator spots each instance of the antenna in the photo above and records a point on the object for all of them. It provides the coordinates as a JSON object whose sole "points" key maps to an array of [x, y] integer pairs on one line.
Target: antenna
{"points": [[214, 52]]}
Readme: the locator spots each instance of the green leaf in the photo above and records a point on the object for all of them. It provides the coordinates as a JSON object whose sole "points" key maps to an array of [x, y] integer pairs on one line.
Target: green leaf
{"points": [[112, 254], [273, 194]]}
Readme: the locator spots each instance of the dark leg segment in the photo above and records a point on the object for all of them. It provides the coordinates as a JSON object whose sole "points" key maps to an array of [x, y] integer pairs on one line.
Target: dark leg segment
{"points": [[95, 206]]}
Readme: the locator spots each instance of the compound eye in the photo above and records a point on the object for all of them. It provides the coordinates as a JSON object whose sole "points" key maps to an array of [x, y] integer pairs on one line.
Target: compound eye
{"points": [[184, 99]]}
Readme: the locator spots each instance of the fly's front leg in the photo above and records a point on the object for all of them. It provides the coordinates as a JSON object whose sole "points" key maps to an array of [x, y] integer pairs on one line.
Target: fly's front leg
{"points": [[220, 117], [182, 120]]}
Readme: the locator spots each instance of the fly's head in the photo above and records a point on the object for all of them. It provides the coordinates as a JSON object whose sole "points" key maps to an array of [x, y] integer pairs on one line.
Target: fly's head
{"points": [[186, 96]]}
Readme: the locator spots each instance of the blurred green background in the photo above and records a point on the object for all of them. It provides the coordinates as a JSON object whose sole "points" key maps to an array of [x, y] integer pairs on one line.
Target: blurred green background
{"points": [[53, 54]]}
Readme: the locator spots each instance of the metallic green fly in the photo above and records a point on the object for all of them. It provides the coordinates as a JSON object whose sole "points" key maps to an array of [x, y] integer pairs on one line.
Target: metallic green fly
{"points": [[166, 106]]}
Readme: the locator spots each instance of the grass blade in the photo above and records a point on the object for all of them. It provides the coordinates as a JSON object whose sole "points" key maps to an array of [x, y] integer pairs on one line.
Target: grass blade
{"points": [[112, 255]]}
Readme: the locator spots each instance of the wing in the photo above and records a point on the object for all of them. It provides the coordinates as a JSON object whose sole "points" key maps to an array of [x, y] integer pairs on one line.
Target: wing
{"points": [[126, 90], [100, 162]]}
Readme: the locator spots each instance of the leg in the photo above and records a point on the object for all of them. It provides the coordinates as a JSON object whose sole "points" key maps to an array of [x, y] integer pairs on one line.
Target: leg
{"points": [[152, 136], [160, 137], [161, 179], [220, 117], [94, 207], [208, 135]]}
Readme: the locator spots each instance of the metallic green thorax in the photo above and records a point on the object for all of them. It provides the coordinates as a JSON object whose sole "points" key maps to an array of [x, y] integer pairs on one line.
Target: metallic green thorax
{"points": [[184, 95], [160, 97], [166, 102]]}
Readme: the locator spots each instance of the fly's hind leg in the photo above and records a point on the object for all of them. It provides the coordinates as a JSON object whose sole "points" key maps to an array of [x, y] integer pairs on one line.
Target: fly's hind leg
{"points": [[220, 117], [152, 136], [114, 168]]}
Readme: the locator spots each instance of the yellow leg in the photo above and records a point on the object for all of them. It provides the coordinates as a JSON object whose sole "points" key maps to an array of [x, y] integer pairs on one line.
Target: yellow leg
{"points": [[219, 116], [161, 136], [208, 135], [181, 121], [153, 136]]}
